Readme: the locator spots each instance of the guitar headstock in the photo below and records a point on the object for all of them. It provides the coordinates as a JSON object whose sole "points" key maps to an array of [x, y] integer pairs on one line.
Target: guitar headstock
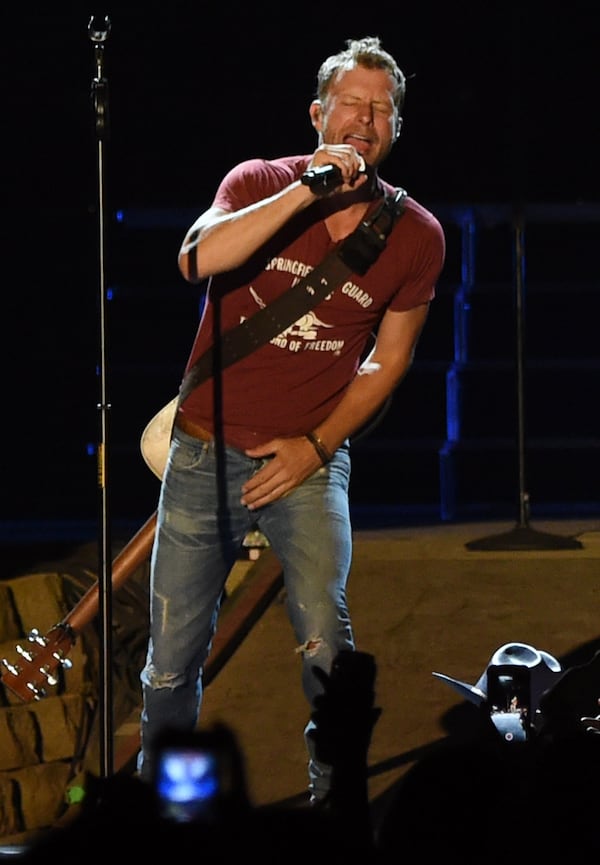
{"points": [[38, 664]]}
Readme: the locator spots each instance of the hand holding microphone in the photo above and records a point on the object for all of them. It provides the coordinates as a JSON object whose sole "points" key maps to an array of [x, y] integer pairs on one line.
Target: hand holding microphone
{"points": [[323, 179]]}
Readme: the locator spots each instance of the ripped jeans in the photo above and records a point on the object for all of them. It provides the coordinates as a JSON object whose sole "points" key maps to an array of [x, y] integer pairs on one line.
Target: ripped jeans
{"points": [[200, 528]]}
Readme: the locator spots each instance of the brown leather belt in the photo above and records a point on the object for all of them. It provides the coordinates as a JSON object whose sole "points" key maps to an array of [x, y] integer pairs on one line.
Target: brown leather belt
{"points": [[192, 429]]}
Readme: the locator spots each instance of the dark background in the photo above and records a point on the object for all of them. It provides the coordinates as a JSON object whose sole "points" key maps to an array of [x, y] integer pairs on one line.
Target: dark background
{"points": [[502, 106]]}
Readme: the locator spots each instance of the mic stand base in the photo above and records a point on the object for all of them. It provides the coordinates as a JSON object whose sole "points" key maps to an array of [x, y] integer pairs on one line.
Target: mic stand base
{"points": [[524, 538]]}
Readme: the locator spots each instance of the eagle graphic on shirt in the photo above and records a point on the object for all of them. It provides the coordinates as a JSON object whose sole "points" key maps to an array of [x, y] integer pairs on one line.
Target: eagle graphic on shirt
{"points": [[305, 327]]}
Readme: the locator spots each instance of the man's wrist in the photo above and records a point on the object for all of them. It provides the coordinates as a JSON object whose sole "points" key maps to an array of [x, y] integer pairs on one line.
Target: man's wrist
{"points": [[320, 447]]}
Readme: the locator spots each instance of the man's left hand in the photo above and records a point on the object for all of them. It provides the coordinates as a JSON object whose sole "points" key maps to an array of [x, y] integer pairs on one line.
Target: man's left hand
{"points": [[289, 462]]}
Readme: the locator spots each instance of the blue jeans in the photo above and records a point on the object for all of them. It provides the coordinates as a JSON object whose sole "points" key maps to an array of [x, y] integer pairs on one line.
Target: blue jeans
{"points": [[200, 528]]}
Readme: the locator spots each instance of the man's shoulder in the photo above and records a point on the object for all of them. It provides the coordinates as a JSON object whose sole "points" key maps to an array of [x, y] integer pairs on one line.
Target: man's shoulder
{"points": [[417, 210], [296, 164], [254, 179], [418, 226], [422, 215], [286, 168]]}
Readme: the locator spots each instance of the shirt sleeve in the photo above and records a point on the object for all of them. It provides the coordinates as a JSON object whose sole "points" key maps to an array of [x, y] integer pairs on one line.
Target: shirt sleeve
{"points": [[255, 179], [424, 237]]}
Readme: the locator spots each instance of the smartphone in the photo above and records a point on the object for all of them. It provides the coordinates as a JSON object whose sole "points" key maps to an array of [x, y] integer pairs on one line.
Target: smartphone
{"points": [[191, 778], [509, 700]]}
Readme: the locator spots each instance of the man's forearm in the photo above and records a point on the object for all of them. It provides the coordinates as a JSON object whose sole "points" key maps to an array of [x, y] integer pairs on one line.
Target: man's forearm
{"points": [[364, 397], [219, 243]]}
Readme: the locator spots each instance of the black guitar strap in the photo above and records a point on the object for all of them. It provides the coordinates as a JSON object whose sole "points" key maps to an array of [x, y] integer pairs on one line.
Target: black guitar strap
{"points": [[355, 254]]}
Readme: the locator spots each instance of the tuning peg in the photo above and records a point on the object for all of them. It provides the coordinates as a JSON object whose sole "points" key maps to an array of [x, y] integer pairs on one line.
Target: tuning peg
{"points": [[38, 693], [17, 672], [25, 653], [40, 658], [14, 671], [34, 636], [46, 670]]}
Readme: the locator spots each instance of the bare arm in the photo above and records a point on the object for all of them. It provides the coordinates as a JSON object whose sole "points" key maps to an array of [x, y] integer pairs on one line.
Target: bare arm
{"points": [[219, 241], [294, 459], [378, 377]]}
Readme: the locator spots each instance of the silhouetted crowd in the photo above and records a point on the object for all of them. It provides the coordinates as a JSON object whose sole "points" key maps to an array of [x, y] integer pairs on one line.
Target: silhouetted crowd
{"points": [[479, 797]]}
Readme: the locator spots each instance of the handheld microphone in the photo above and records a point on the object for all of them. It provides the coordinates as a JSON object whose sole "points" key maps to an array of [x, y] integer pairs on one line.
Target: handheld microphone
{"points": [[325, 178], [322, 179]]}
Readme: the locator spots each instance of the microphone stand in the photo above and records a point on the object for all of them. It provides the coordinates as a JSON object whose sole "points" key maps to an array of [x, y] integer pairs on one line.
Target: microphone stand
{"points": [[522, 536], [98, 34]]}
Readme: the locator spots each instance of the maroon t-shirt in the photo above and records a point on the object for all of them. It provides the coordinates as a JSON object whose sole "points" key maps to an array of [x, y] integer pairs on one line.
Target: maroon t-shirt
{"points": [[289, 385]]}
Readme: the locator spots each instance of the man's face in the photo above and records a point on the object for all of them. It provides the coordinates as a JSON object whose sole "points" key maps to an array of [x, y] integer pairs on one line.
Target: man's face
{"points": [[359, 110]]}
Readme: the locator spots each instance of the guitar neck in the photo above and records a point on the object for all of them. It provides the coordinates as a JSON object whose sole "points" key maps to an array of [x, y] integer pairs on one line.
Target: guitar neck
{"points": [[133, 554]]}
